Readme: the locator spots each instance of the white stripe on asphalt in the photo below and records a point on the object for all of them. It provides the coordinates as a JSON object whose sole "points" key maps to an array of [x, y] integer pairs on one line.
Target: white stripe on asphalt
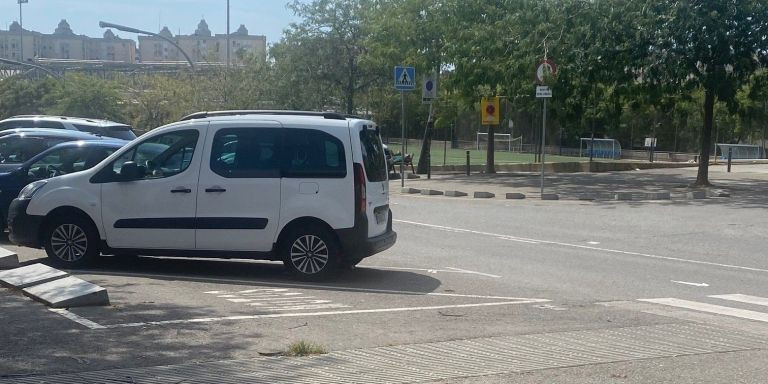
{"points": [[77, 319], [432, 270], [535, 241], [710, 308], [351, 312], [743, 299]]}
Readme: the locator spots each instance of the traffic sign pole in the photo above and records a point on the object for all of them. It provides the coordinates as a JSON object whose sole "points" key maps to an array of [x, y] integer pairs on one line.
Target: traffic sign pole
{"points": [[543, 143], [402, 139]]}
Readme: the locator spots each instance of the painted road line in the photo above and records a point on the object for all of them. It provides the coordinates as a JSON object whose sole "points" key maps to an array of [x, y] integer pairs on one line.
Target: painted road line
{"points": [[473, 272], [689, 283], [710, 308], [608, 250], [432, 270], [292, 285], [743, 299], [77, 319], [328, 313], [461, 230]]}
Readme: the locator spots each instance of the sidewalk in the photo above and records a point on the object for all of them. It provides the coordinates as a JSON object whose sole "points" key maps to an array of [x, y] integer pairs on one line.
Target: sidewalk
{"points": [[446, 360], [745, 182]]}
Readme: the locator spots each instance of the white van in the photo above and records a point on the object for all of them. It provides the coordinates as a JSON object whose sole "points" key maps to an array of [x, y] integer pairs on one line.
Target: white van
{"points": [[306, 188]]}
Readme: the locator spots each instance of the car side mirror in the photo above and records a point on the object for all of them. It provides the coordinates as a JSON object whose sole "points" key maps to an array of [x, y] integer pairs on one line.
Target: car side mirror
{"points": [[131, 171]]}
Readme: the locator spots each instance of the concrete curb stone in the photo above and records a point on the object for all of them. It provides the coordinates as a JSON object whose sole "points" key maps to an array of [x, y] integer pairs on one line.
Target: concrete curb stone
{"points": [[431, 192], [696, 195], [515, 196], [410, 190], [30, 275], [623, 196], [455, 193], [8, 259], [658, 196], [483, 195], [68, 292], [550, 196]]}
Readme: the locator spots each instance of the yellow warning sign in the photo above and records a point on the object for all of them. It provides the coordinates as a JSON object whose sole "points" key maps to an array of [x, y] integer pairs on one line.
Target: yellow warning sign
{"points": [[490, 111]]}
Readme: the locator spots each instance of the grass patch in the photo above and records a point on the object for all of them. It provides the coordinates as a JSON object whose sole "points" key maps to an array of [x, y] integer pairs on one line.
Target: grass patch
{"points": [[305, 348], [454, 156]]}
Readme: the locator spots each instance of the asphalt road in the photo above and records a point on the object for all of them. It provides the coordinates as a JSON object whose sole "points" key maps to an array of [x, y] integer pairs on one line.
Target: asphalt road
{"points": [[462, 269]]}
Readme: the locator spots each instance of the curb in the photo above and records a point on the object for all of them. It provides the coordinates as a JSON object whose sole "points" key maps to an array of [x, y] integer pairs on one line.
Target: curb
{"points": [[483, 195], [455, 193]]}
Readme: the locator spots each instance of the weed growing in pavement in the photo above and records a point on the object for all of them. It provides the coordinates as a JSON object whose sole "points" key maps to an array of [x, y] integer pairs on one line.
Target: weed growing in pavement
{"points": [[305, 348]]}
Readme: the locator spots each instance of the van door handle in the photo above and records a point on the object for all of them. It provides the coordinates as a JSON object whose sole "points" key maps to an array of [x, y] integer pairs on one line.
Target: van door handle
{"points": [[215, 189], [181, 190]]}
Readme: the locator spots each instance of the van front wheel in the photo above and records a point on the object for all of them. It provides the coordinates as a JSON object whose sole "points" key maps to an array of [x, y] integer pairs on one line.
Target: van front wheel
{"points": [[310, 253], [71, 241]]}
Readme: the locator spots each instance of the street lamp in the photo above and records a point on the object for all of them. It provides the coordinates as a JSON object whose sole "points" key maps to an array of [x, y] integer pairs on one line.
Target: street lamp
{"points": [[123, 28], [228, 43], [21, 31]]}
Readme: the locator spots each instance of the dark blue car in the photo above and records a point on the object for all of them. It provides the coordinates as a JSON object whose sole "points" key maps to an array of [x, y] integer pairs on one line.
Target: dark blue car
{"points": [[60, 159]]}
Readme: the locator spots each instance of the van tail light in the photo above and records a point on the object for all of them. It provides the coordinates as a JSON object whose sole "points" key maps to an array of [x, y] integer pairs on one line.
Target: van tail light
{"points": [[360, 193]]}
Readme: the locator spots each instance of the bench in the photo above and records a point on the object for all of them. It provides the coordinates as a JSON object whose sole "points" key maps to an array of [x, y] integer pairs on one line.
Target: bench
{"points": [[396, 159]]}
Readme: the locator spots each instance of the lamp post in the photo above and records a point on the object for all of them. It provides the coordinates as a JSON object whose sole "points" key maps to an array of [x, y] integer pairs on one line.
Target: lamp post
{"points": [[228, 43], [123, 28], [21, 31]]}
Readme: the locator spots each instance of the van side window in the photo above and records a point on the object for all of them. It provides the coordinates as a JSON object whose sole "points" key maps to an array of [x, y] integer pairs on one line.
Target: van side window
{"points": [[311, 153], [246, 153], [161, 156]]}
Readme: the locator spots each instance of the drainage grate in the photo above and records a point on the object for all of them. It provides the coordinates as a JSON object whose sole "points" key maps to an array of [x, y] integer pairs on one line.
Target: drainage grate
{"points": [[441, 360]]}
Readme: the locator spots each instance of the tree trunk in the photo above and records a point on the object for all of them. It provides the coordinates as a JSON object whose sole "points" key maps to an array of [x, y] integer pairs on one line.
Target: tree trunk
{"points": [[489, 165], [702, 179], [426, 145]]}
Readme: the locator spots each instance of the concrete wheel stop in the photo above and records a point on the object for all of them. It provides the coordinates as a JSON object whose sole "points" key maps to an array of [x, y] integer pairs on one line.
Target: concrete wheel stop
{"points": [[53, 287], [8, 259]]}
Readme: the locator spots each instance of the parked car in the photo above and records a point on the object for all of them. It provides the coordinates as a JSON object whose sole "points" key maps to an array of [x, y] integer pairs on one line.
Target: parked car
{"points": [[17, 148], [61, 159], [99, 127], [309, 189]]}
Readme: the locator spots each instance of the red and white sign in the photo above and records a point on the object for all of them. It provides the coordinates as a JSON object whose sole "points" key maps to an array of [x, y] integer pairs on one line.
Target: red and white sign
{"points": [[546, 68]]}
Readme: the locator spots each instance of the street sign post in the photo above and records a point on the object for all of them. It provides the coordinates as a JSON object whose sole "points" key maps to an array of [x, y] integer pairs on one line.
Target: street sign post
{"points": [[544, 70], [429, 90], [404, 80]]}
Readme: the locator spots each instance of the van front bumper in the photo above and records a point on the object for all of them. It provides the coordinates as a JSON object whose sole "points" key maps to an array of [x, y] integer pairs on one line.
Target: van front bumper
{"points": [[23, 229]]}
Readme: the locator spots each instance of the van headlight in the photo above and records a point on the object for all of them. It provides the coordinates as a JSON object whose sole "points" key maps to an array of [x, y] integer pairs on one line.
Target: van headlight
{"points": [[31, 189]]}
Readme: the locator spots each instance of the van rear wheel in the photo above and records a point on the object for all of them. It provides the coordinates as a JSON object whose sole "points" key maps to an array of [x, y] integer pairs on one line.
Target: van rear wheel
{"points": [[71, 241], [310, 253]]}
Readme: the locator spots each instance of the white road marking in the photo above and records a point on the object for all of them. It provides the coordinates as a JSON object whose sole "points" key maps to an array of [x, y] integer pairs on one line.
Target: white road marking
{"points": [[77, 319], [710, 308], [629, 253], [550, 307], [328, 313], [743, 299], [428, 270], [689, 283], [593, 242], [292, 285], [473, 272]]}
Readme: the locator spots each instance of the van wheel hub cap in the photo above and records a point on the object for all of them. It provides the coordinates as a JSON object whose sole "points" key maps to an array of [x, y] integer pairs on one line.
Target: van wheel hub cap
{"points": [[69, 242], [309, 254]]}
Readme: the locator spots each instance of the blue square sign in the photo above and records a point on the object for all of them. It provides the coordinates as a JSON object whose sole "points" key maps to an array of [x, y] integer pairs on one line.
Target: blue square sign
{"points": [[405, 78]]}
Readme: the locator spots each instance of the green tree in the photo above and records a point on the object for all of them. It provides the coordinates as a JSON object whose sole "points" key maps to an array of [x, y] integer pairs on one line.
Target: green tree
{"points": [[85, 96], [20, 96], [715, 45]]}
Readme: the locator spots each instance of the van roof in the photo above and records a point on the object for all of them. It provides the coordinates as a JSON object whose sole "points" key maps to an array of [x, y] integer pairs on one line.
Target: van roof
{"points": [[74, 120], [319, 119]]}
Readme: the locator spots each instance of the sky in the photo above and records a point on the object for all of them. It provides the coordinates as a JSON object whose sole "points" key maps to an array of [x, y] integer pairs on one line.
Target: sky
{"points": [[261, 17]]}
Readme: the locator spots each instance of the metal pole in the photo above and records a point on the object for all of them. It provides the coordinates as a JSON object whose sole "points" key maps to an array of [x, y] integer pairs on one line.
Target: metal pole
{"points": [[730, 157], [445, 145], [228, 43], [467, 163], [543, 143], [21, 35], [402, 139]]}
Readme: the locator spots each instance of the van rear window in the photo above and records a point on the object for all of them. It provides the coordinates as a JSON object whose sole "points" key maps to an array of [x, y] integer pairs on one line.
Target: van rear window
{"points": [[374, 161]]}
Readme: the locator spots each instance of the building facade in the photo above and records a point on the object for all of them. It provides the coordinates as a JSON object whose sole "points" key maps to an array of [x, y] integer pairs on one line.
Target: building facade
{"points": [[203, 46], [63, 43]]}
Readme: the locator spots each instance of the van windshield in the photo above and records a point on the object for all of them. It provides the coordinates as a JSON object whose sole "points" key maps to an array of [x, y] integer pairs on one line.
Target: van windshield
{"points": [[373, 155]]}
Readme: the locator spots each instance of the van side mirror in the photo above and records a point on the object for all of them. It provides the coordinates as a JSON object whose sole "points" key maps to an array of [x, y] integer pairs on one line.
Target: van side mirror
{"points": [[131, 171]]}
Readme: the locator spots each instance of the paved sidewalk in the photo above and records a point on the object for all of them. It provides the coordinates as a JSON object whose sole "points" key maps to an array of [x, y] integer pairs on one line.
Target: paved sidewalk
{"points": [[746, 182], [445, 360]]}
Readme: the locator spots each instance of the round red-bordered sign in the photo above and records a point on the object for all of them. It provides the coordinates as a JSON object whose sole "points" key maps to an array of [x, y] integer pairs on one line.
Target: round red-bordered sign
{"points": [[546, 68]]}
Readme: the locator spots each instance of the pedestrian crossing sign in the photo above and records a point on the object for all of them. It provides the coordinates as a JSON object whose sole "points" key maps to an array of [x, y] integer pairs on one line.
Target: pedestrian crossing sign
{"points": [[405, 78]]}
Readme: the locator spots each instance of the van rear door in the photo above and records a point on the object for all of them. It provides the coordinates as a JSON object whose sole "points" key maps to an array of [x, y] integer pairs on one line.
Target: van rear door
{"points": [[377, 185]]}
